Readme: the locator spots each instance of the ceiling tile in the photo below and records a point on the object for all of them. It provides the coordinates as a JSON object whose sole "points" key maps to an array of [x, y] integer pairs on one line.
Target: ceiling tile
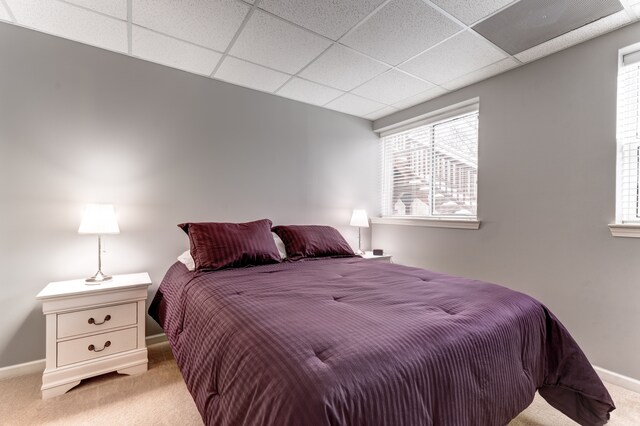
{"points": [[455, 57], [572, 38], [471, 11], [115, 8], [381, 113], [354, 105], [246, 74], [391, 87], [277, 44], [71, 22], [342, 68], [529, 23], [400, 30], [165, 50], [309, 92], [481, 74], [421, 97], [207, 23], [330, 18]]}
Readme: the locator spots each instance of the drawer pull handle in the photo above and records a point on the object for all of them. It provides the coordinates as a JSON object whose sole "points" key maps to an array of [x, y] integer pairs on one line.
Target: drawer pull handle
{"points": [[93, 321], [106, 345]]}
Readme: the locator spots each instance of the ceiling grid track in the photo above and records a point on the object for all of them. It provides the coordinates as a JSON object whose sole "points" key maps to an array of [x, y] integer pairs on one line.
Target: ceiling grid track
{"points": [[464, 26], [8, 9], [235, 37], [97, 12], [391, 67], [470, 26], [478, 69], [130, 27], [333, 43]]}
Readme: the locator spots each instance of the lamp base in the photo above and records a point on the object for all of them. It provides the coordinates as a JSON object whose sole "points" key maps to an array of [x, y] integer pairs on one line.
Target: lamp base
{"points": [[97, 279], [359, 252]]}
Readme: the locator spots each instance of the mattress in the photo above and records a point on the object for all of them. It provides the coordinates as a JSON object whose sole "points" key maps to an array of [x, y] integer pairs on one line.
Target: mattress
{"points": [[353, 342]]}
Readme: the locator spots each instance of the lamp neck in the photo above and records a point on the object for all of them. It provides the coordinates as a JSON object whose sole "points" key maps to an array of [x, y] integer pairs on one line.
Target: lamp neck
{"points": [[99, 253], [99, 276]]}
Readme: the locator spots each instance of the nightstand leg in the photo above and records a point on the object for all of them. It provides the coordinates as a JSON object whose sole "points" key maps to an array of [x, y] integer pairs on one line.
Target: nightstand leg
{"points": [[59, 390]]}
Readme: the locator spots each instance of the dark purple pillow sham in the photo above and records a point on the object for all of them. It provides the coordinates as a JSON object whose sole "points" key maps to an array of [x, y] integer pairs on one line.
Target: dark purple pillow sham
{"points": [[312, 241], [231, 245]]}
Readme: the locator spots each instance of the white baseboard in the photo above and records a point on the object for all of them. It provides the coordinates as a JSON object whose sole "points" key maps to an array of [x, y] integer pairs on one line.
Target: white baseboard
{"points": [[628, 383], [37, 366], [156, 338], [22, 369]]}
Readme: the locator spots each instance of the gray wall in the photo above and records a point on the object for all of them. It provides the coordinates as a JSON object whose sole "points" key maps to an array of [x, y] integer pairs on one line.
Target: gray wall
{"points": [[78, 125], [547, 167]]}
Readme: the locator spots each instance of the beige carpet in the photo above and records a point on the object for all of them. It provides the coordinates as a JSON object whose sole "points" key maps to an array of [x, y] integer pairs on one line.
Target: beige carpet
{"points": [[159, 397]]}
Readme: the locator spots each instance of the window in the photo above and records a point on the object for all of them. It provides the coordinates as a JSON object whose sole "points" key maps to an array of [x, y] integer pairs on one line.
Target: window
{"points": [[430, 171], [628, 139]]}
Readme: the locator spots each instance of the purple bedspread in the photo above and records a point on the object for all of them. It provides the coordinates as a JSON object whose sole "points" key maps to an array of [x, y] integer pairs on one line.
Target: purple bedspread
{"points": [[358, 342]]}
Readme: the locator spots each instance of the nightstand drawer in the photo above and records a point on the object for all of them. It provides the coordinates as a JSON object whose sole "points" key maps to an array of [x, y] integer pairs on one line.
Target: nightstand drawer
{"points": [[96, 346], [96, 320]]}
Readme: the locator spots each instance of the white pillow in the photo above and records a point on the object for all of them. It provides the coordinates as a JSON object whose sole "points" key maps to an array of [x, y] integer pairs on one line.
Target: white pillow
{"points": [[280, 244], [188, 261]]}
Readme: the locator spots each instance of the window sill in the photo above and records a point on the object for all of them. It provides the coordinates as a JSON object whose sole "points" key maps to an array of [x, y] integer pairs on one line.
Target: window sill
{"points": [[630, 230], [431, 223]]}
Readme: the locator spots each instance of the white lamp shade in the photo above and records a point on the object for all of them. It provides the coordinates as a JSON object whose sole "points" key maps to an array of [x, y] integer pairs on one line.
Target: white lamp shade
{"points": [[99, 219], [360, 218]]}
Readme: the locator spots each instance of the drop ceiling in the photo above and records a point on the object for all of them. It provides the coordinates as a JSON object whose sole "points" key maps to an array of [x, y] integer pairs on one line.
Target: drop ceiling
{"points": [[368, 58]]}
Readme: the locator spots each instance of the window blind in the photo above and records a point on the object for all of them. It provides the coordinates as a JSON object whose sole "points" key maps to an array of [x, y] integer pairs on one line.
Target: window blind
{"points": [[431, 171], [628, 139]]}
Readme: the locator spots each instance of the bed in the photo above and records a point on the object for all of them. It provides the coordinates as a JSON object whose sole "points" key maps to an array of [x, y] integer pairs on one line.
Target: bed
{"points": [[347, 341]]}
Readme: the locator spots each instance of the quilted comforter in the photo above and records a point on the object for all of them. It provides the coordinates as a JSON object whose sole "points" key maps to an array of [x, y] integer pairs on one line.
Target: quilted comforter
{"points": [[356, 342]]}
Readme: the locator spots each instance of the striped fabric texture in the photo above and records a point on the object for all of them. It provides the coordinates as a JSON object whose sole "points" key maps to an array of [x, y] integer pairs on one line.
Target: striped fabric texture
{"points": [[231, 245], [312, 241], [354, 342]]}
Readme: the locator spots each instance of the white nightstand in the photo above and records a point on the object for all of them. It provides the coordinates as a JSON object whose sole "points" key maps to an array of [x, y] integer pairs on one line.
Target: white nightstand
{"points": [[382, 258], [93, 329]]}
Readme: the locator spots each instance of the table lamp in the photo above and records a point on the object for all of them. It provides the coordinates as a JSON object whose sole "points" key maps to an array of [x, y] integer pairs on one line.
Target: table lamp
{"points": [[360, 219], [98, 219]]}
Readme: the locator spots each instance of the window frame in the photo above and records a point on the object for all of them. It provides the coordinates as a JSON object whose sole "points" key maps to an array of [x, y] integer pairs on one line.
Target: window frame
{"points": [[434, 117], [622, 228]]}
